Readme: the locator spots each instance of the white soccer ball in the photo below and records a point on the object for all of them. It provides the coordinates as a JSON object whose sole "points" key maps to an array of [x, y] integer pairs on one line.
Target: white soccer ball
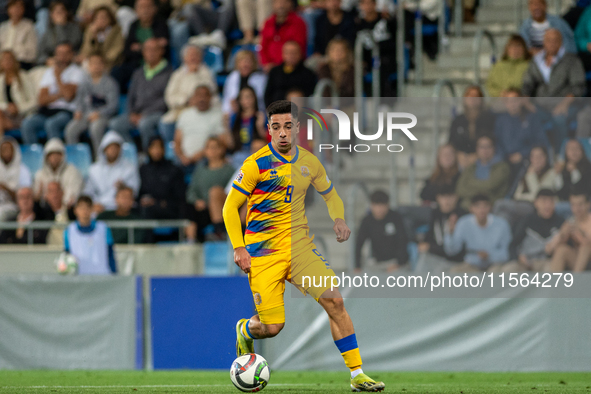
{"points": [[66, 264], [250, 373]]}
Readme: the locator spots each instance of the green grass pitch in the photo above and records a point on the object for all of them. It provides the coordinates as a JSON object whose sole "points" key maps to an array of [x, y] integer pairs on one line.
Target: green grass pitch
{"points": [[131, 382]]}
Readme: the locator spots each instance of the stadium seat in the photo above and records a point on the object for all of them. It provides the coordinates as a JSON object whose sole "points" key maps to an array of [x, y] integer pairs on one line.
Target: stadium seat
{"points": [[129, 152], [215, 256], [32, 157], [15, 133], [80, 156], [214, 58], [170, 154], [122, 104]]}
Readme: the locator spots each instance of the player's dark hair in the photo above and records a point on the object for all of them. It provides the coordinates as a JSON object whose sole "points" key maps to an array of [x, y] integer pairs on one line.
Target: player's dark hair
{"points": [[478, 198], [379, 197], [282, 107], [84, 199], [545, 193], [445, 189]]}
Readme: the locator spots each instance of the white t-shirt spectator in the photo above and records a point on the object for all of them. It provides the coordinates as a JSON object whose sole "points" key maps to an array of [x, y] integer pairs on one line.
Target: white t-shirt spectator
{"points": [[196, 126], [72, 74]]}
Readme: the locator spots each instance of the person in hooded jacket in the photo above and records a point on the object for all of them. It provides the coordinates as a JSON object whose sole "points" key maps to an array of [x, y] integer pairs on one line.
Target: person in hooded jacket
{"points": [[162, 190], [56, 169], [110, 172], [13, 176]]}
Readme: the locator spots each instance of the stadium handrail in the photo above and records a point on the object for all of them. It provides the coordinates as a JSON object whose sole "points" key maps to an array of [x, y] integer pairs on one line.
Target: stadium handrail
{"points": [[362, 37], [437, 91], [130, 225], [419, 45], [400, 50], [441, 33], [351, 201], [458, 17], [317, 98], [477, 47]]}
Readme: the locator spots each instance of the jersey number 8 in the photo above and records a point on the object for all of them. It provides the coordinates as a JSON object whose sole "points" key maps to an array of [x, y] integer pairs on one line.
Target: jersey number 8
{"points": [[288, 194]]}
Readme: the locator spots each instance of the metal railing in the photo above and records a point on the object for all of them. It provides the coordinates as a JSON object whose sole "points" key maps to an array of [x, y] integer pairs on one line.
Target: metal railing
{"points": [[442, 23], [418, 47], [458, 17], [352, 194], [366, 37], [400, 49], [130, 225], [328, 137], [477, 47], [437, 91]]}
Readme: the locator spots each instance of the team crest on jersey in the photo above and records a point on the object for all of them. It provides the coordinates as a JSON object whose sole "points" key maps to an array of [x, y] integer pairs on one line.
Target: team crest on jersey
{"points": [[239, 177], [305, 171], [257, 299], [273, 174]]}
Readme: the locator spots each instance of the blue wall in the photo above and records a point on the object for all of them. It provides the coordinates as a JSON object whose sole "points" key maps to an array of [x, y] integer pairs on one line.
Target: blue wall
{"points": [[194, 319]]}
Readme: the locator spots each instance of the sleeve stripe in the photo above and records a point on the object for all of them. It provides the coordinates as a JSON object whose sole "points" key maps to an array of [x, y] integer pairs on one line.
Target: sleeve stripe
{"points": [[327, 190], [241, 190]]}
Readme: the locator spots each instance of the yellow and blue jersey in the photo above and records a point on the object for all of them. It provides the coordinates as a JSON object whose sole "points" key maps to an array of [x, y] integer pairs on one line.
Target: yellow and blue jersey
{"points": [[276, 186]]}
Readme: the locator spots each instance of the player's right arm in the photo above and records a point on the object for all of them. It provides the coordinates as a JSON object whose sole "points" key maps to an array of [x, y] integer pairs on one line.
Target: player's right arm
{"points": [[242, 187]]}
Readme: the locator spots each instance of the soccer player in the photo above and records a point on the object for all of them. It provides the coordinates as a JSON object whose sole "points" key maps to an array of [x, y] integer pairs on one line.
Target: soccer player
{"points": [[277, 246]]}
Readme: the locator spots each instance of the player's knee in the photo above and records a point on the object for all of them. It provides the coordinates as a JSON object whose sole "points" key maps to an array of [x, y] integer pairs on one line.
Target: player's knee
{"points": [[333, 305], [274, 329]]}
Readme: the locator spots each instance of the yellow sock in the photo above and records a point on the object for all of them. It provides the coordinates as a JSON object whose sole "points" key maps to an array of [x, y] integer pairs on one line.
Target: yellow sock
{"points": [[244, 330], [352, 359]]}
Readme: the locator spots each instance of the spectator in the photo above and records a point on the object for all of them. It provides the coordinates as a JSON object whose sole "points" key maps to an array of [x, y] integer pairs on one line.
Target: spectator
{"points": [[56, 102], [90, 241], [283, 26], [56, 169], [145, 100], [484, 237], [246, 125], [61, 29], [195, 125], [181, 87], [446, 172], [27, 212], [103, 36], [537, 236], [109, 172], [489, 175], [583, 40], [446, 210], [56, 210], [206, 194], [252, 14], [18, 35], [289, 74], [518, 130], [124, 211], [384, 228], [538, 176], [87, 9], [534, 28], [17, 93], [245, 73], [332, 23], [383, 32], [96, 102], [575, 12], [13, 176], [339, 66], [148, 26], [209, 24], [162, 190], [467, 128], [574, 250], [574, 171], [508, 72]]}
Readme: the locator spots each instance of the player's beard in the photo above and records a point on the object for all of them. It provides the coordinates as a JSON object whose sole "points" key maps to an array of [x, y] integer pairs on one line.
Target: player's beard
{"points": [[286, 150]]}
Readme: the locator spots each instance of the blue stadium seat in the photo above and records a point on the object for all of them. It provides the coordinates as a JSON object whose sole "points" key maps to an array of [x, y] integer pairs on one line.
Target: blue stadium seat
{"points": [[215, 256], [170, 154], [80, 156], [214, 58], [15, 133], [122, 104], [32, 157], [129, 152]]}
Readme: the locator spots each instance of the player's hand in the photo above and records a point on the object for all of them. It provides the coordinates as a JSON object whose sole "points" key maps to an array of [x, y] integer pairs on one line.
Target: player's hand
{"points": [[341, 229], [242, 259]]}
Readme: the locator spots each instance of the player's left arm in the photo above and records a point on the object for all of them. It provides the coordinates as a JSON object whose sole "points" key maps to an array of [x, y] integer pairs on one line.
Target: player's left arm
{"points": [[336, 208]]}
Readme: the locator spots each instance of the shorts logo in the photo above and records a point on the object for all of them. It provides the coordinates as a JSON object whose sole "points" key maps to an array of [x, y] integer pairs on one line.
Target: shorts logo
{"points": [[305, 171], [239, 177], [257, 299]]}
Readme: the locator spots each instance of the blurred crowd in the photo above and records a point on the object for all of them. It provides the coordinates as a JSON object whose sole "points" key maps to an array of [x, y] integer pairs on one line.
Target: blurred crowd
{"points": [[185, 84]]}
